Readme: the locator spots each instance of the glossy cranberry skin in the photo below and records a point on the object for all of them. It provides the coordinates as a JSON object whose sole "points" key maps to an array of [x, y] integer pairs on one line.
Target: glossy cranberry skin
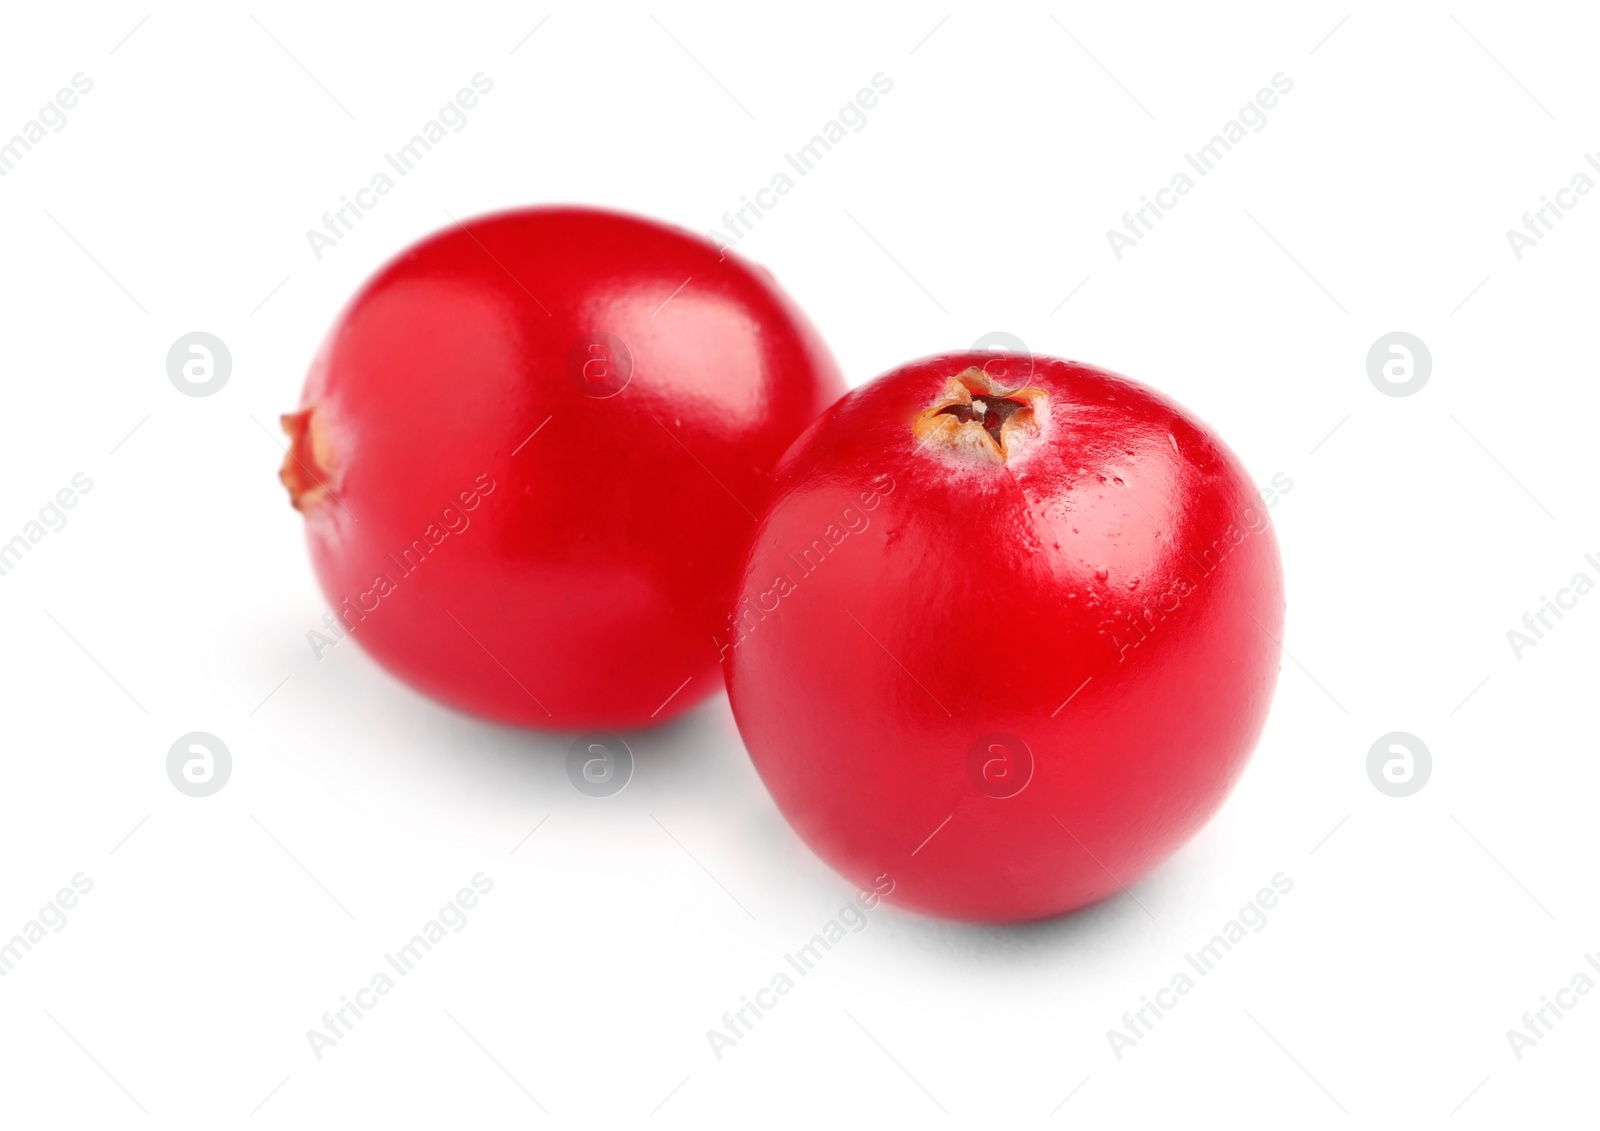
{"points": [[531, 451], [1010, 683]]}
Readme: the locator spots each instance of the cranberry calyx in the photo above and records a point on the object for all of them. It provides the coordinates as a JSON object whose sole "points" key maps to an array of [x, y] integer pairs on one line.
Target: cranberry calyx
{"points": [[976, 416], [305, 469], [991, 412]]}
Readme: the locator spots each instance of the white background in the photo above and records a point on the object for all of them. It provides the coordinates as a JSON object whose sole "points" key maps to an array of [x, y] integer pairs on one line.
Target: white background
{"points": [[1417, 532]]}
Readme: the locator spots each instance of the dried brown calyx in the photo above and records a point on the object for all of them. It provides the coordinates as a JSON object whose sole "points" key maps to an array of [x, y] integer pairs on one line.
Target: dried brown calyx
{"points": [[975, 414], [307, 464]]}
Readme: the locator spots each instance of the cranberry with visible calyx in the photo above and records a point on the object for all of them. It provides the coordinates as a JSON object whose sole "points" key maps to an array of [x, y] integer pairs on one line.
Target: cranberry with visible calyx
{"points": [[530, 452], [1010, 646]]}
